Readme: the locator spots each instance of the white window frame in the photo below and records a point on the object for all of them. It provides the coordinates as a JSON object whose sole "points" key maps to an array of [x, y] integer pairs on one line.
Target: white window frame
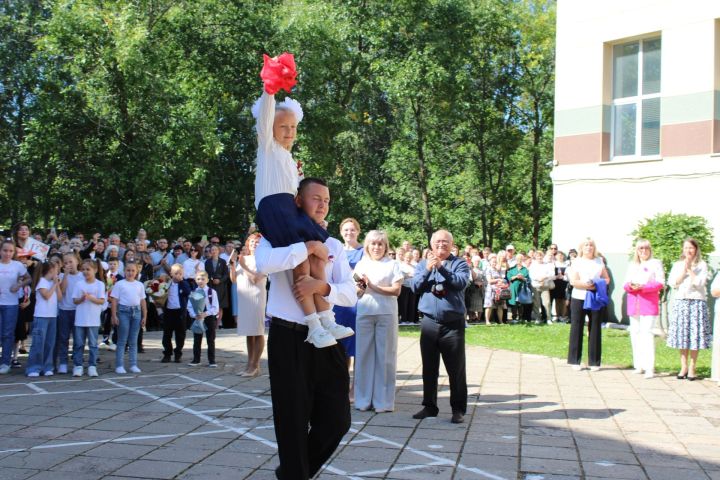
{"points": [[637, 100]]}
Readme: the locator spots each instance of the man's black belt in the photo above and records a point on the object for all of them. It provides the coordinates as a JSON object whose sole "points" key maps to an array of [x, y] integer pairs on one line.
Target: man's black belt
{"points": [[291, 325]]}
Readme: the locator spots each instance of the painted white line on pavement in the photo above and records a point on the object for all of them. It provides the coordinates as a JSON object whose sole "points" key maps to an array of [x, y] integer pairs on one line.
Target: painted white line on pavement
{"points": [[114, 440], [37, 389], [220, 410], [226, 389]]}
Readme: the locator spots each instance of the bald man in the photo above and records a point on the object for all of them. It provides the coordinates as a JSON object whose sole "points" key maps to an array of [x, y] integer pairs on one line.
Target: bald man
{"points": [[440, 282]]}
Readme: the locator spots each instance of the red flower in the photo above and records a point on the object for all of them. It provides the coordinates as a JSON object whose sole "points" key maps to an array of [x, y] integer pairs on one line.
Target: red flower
{"points": [[278, 73], [155, 286]]}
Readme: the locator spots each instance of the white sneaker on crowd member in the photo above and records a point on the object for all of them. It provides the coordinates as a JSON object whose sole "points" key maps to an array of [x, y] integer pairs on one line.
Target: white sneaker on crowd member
{"points": [[62, 368], [49, 373], [112, 347], [78, 371], [212, 365], [327, 320], [594, 369], [4, 369], [649, 374], [33, 374], [92, 372], [638, 371], [120, 370], [194, 364], [577, 368], [135, 369]]}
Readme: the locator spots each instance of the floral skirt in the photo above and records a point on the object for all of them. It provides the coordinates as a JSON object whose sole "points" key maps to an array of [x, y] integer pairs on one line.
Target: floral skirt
{"points": [[689, 325]]}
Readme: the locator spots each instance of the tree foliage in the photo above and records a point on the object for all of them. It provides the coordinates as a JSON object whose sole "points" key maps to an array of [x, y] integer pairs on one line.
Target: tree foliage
{"points": [[666, 232], [422, 114]]}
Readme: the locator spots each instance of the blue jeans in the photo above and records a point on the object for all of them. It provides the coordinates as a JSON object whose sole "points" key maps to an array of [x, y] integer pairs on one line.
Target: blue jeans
{"points": [[128, 330], [42, 349], [8, 321], [65, 325], [79, 336]]}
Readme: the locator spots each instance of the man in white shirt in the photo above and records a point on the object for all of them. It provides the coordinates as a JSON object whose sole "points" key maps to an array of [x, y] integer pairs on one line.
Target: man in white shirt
{"points": [[309, 386]]}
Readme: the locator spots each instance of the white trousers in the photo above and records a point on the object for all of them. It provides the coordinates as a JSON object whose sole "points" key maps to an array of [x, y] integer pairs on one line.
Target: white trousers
{"points": [[643, 342], [376, 338]]}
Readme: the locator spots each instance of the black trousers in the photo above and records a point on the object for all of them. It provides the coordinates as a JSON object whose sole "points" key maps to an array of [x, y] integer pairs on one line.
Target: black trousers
{"points": [[446, 340], [308, 386], [407, 306], [173, 322], [577, 325], [211, 324]]}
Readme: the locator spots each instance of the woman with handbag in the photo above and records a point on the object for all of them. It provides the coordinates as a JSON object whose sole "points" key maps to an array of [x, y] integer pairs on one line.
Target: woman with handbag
{"points": [[497, 290], [521, 296], [542, 281]]}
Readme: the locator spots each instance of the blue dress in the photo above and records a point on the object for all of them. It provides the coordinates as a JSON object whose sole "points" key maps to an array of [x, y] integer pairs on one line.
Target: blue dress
{"points": [[346, 315]]}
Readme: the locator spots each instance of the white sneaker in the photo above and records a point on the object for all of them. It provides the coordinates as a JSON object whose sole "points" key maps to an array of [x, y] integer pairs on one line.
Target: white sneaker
{"points": [[648, 375], [103, 346], [49, 373], [62, 368], [33, 374], [120, 370], [339, 331], [77, 371], [92, 372], [112, 347], [594, 369], [577, 368], [638, 371], [320, 338], [4, 369], [135, 369]]}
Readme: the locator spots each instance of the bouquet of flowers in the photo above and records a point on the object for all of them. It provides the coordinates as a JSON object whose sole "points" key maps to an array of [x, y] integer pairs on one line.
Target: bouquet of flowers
{"points": [[198, 299], [279, 73], [158, 290]]}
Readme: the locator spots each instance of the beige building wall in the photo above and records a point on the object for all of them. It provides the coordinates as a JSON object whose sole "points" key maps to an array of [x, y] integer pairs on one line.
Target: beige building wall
{"points": [[597, 196]]}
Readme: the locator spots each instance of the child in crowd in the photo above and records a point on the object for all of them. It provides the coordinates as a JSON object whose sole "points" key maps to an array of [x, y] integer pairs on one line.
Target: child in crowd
{"points": [[66, 310], [209, 318], [13, 277], [175, 314], [89, 296], [279, 218], [109, 332], [47, 292], [129, 314]]}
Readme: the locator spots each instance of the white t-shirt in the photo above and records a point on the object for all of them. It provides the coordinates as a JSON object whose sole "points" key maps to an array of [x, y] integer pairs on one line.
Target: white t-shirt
{"points": [[383, 273], [129, 294], [10, 273], [587, 269], [87, 314], [66, 302], [189, 268], [45, 308]]}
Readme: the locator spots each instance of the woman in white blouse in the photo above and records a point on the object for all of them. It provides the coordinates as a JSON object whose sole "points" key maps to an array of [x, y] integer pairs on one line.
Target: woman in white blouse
{"points": [[585, 271], [542, 277], [379, 282], [689, 329]]}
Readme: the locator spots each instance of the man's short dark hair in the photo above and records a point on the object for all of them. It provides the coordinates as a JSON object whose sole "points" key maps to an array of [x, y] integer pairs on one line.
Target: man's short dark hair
{"points": [[309, 181]]}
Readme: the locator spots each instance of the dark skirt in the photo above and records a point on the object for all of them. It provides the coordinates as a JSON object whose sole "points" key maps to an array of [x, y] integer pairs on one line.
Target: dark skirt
{"points": [[282, 223], [346, 317]]}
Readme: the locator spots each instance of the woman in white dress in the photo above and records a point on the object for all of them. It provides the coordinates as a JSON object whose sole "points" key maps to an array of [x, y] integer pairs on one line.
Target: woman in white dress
{"points": [[251, 300]]}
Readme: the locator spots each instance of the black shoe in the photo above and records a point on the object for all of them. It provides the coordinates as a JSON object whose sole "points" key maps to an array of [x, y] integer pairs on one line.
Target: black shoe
{"points": [[424, 413], [682, 377], [177, 358], [15, 364], [22, 351], [165, 359], [141, 350], [691, 379], [457, 417]]}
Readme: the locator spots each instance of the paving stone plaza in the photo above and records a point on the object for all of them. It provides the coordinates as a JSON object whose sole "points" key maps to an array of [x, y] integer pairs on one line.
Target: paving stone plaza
{"points": [[529, 417]]}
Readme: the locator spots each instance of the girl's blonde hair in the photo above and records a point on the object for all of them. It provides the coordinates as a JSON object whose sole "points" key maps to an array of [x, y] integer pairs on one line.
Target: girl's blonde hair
{"points": [[72, 254], [351, 220], [374, 235], [176, 267], [641, 243]]}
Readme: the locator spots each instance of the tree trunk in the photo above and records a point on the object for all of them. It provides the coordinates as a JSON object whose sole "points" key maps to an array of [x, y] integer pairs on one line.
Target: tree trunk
{"points": [[422, 169]]}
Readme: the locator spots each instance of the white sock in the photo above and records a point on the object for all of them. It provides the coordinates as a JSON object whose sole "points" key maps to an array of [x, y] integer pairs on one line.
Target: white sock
{"points": [[312, 321], [327, 318]]}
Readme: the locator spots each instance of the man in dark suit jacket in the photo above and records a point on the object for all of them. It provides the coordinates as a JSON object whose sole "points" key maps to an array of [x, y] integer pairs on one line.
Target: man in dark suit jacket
{"points": [[174, 318], [440, 282], [217, 270]]}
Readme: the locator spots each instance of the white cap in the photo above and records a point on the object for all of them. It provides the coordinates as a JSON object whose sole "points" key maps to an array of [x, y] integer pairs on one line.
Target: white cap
{"points": [[510, 247]]}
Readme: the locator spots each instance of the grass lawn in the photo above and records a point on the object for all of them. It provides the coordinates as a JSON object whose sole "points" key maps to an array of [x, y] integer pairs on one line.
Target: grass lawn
{"points": [[552, 341]]}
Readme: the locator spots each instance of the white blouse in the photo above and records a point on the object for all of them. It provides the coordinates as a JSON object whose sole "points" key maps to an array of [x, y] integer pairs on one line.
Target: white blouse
{"points": [[276, 171], [644, 272], [587, 269], [383, 273], [689, 289]]}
